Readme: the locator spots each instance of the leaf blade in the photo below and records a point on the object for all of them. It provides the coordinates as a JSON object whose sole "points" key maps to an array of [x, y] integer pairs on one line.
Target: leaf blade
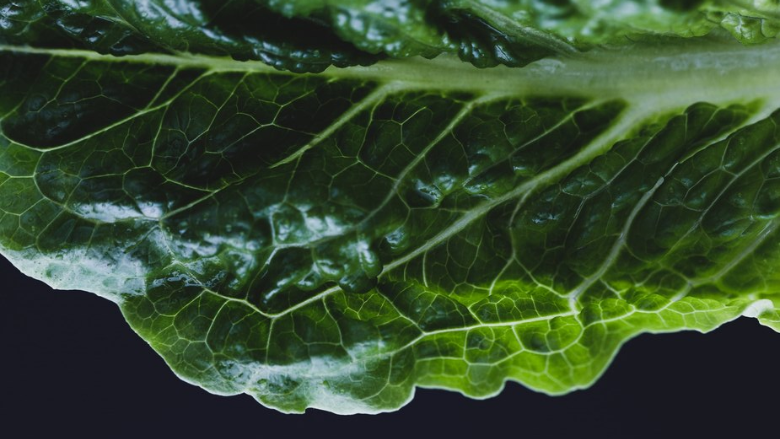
{"points": [[255, 260]]}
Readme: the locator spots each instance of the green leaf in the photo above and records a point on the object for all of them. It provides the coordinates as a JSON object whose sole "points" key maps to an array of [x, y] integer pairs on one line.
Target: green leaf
{"points": [[333, 240], [309, 35]]}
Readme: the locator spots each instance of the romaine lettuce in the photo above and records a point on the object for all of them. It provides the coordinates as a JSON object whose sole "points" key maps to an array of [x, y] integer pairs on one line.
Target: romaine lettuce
{"points": [[326, 204]]}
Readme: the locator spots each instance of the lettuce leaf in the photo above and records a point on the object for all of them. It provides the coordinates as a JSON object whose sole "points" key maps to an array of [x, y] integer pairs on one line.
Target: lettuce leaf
{"points": [[333, 239]]}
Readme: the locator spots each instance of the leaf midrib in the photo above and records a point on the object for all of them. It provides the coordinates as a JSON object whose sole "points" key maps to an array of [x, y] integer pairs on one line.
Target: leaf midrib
{"points": [[690, 71]]}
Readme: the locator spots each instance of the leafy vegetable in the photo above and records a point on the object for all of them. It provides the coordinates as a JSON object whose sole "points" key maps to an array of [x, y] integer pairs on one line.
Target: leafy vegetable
{"points": [[335, 239]]}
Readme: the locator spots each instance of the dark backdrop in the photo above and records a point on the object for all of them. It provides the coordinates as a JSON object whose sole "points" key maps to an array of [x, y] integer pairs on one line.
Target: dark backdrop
{"points": [[70, 364]]}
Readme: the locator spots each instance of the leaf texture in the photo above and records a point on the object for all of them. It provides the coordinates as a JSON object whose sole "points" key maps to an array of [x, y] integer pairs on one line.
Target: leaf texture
{"points": [[334, 240], [309, 35]]}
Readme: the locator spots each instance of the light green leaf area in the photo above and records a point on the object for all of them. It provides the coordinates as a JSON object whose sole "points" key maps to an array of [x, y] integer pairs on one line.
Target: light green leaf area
{"points": [[334, 240]]}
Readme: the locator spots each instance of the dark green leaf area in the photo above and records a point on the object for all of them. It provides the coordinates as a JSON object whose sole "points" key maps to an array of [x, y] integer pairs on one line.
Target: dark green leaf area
{"points": [[477, 34], [15, 77], [311, 35], [714, 218], [240, 29], [390, 177], [71, 99], [518, 32], [321, 241], [86, 24], [573, 231], [680, 5], [483, 45]]}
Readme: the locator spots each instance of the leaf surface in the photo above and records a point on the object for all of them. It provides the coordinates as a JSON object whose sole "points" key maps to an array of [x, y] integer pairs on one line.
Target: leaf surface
{"points": [[309, 35], [333, 240]]}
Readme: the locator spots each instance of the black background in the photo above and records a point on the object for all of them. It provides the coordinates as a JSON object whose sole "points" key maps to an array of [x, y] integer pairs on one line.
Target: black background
{"points": [[70, 364]]}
